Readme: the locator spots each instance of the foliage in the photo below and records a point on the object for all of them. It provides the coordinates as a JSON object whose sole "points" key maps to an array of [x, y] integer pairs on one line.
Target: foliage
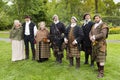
{"points": [[43, 10], [114, 30], [115, 20]]}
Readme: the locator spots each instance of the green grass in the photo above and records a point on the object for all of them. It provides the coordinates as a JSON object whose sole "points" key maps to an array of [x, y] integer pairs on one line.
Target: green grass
{"points": [[3, 34], [32, 70], [114, 37]]}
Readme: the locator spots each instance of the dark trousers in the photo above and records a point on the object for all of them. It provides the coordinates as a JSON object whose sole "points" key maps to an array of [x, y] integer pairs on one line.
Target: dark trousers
{"points": [[88, 51], [28, 39]]}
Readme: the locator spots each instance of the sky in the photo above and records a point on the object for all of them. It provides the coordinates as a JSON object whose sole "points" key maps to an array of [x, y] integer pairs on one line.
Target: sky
{"points": [[116, 1]]}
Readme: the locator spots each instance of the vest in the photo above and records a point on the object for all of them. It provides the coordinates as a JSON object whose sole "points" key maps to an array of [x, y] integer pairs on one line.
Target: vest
{"points": [[31, 27]]}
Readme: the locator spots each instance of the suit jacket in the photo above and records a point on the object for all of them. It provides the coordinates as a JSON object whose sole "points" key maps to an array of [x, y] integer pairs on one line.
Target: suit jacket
{"points": [[86, 29]]}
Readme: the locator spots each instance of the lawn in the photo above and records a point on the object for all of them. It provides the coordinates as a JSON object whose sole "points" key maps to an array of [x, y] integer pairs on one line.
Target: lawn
{"points": [[4, 34], [32, 70]]}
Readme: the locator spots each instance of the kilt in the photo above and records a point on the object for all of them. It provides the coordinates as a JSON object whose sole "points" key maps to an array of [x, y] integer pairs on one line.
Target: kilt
{"points": [[98, 55], [73, 52], [42, 50]]}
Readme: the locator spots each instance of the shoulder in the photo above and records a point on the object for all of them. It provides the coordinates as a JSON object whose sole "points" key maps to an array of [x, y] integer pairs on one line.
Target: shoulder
{"points": [[104, 25]]}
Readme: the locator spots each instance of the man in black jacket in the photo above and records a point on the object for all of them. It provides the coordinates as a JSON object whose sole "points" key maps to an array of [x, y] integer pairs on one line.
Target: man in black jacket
{"points": [[57, 30], [86, 27], [29, 32]]}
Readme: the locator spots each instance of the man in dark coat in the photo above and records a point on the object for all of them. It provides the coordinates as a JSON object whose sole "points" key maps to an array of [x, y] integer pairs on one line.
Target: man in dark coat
{"points": [[57, 30], [73, 37], [98, 35], [86, 27], [29, 32]]}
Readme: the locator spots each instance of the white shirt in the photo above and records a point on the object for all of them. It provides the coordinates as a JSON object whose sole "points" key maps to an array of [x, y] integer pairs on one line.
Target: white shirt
{"points": [[27, 30], [56, 21], [86, 21], [97, 24], [73, 24]]}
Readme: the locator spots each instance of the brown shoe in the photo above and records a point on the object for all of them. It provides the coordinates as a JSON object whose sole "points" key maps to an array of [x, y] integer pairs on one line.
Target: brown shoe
{"points": [[100, 74]]}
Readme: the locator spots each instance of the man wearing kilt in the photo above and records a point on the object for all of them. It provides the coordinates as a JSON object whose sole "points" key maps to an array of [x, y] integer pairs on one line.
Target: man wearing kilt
{"points": [[86, 27], [98, 35], [57, 30], [73, 37]]}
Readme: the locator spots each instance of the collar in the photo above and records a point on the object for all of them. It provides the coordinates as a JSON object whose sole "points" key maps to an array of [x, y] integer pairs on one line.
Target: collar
{"points": [[86, 21], [56, 21], [28, 22], [73, 24]]}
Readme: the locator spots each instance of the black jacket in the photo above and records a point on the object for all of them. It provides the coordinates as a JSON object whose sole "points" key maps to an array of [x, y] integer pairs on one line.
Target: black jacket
{"points": [[31, 27], [78, 34], [86, 29], [57, 33]]}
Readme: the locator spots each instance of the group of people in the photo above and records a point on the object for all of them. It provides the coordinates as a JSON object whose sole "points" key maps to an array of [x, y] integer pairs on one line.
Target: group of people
{"points": [[91, 38]]}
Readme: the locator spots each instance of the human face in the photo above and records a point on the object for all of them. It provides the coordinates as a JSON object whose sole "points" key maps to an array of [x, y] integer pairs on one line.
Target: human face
{"points": [[73, 21], [97, 19], [27, 19], [42, 25], [87, 17], [17, 24], [56, 18]]}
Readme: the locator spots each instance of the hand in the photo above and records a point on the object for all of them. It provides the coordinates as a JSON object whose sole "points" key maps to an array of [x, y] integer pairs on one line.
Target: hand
{"points": [[65, 40], [48, 40], [74, 42]]}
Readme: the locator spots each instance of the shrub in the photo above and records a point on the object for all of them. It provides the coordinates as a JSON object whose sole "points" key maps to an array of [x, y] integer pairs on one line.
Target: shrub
{"points": [[114, 20], [114, 30]]}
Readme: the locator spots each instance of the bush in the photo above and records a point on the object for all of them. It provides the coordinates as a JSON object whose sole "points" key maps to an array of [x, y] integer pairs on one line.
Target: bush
{"points": [[5, 21], [114, 20], [114, 30]]}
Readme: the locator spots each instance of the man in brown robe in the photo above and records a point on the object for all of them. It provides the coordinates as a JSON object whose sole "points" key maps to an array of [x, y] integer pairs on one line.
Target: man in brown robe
{"points": [[98, 35]]}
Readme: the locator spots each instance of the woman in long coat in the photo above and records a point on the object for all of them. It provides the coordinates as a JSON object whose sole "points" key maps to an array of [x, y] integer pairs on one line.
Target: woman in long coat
{"points": [[17, 41], [42, 43]]}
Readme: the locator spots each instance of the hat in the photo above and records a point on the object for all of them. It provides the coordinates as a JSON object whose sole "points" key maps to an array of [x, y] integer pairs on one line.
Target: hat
{"points": [[73, 17], [85, 15], [27, 17], [55, 15]]}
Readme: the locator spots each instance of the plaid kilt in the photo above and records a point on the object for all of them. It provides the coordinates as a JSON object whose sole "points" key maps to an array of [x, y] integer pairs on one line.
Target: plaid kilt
{"points": [[98, 55], [73, 52], [42, 50]]}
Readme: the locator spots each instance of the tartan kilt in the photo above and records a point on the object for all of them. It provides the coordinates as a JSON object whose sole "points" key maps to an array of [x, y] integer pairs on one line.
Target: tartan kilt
{"points": [[42, 50], [73, 52], [98, 55]]}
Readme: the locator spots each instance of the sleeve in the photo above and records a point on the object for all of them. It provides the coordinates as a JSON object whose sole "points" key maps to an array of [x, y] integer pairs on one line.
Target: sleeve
{"points": [[103, 33], [35, 30], [66, 32], [81, 35]]}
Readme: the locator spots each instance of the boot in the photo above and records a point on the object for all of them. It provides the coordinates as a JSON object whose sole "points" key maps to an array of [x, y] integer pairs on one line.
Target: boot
{"points": [[60, 56], [57, 58], [86, 58], [101, 72], [71, 61], [77, 62], [98, 65], [33, 55], [26, 54]]}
